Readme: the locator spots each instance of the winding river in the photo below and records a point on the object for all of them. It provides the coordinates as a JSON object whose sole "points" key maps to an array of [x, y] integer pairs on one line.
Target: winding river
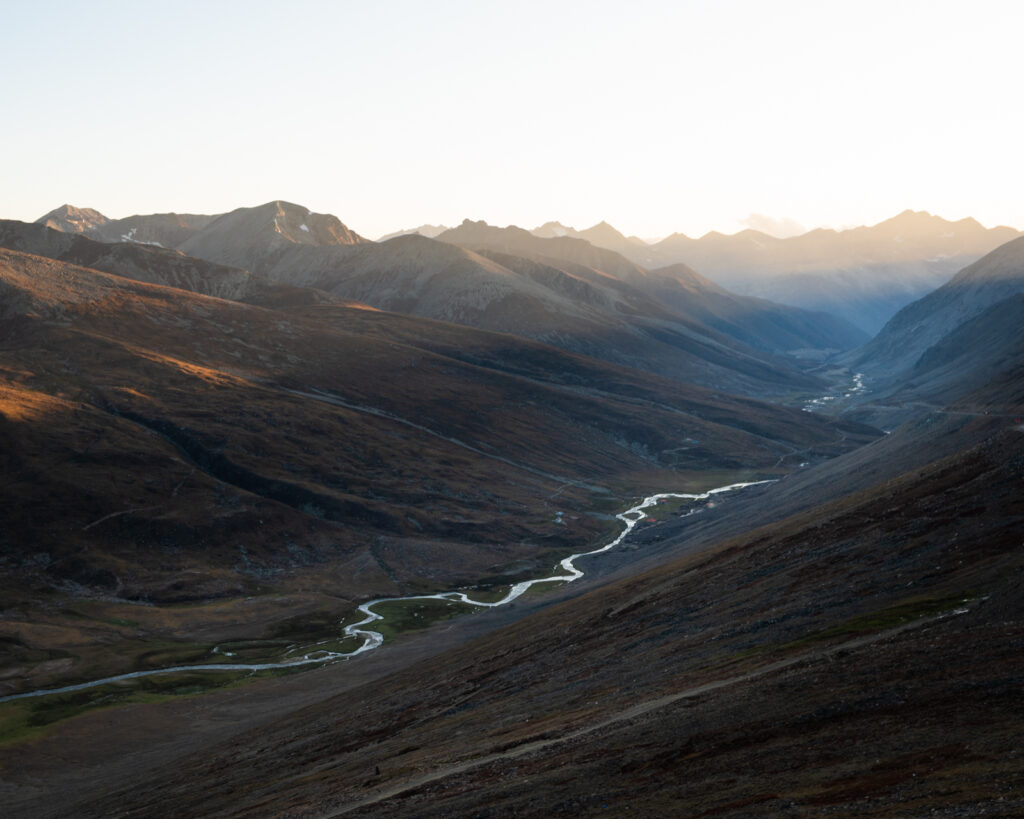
{"points": [[566, 572]]}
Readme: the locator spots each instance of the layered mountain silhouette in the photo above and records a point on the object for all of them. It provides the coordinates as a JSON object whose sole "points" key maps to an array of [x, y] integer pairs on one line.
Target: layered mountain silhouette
{"points": [[680, 289], [562, 291], [600, 235], [863, 274]]}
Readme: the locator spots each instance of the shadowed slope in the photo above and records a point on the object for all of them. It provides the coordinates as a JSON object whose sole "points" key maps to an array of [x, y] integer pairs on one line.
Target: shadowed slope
{"points": [[145, 263], [165, 446], [918, 326], [861, 656], [581, 310]]}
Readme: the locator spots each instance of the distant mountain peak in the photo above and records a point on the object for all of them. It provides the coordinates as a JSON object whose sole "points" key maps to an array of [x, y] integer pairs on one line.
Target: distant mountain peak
{"points": [[69, 219], [430, 231], [297, 224], [550, 230], [914, 217], [602, 229], [600, 235], [246, 237]]}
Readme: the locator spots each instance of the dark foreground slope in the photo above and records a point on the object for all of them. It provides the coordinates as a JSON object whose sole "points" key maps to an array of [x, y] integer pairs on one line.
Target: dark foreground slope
{"points": [[863, 656]]}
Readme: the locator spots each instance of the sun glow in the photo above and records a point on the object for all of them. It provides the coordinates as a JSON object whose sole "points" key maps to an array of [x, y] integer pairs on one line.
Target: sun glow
{"points": [[681, 116]]}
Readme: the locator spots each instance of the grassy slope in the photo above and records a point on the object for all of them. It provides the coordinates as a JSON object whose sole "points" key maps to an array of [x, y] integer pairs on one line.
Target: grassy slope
{"points": [[156, 451], [923, 718]]}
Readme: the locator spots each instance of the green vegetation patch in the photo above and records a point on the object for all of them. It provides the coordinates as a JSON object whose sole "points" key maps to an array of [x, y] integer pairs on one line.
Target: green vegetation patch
{"points": [[540, 565], [24, 719], [537, 589], [316, 625], [250, 651], [77, 614], [340, 645], [411, 615], [891, 617], [672, 506], [165, 654]]}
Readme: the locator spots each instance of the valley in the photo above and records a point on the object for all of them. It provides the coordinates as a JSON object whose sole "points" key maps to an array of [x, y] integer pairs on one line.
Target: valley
{"points": [[543, 529], [489, 410], [330, 649]]}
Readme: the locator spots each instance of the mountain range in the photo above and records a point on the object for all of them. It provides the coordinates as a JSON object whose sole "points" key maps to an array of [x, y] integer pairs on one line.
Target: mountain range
{"points": [[227, 451], [560, 291], [389, 451], [863, 274]]}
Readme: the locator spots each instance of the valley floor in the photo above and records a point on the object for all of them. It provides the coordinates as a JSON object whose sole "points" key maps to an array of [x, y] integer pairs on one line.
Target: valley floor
{"points": [[862, 657]]}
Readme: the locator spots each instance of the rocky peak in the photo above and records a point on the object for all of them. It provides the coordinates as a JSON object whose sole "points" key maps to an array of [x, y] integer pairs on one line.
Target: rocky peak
{"points": [[70, 219]]}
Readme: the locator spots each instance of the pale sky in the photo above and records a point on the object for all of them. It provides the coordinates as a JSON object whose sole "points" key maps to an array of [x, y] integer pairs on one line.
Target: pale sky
{"points": [[655, 116]]}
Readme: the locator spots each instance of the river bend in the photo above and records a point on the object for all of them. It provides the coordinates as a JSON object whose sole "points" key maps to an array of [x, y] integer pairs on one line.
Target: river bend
{"points": [[566, 571]]}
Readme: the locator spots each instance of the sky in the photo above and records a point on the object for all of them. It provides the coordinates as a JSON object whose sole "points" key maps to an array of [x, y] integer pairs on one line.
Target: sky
{"points": [[657, 117]]}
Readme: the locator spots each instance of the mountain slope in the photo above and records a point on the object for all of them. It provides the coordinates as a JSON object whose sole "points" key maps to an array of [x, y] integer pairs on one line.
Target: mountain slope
{"points": [[758, 323], [430, 231], [70, 219], [519, 242], [252, 237], [144, 263], [163, 229], [861, 656], [917, 327], [982, 350], [762, 324], [506, 293], [274, 240], [162, 446]]}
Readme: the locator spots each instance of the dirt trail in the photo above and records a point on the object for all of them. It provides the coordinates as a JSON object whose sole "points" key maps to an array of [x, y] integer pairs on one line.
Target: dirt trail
{"points": [[625, 715]]}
